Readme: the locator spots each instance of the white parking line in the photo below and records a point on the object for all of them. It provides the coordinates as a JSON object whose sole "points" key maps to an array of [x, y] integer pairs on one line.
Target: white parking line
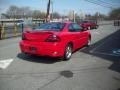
{"points": [[5, 63]]}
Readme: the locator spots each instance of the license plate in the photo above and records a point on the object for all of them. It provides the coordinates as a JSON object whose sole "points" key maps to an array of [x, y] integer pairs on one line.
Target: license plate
{"points": [[33, 49]]}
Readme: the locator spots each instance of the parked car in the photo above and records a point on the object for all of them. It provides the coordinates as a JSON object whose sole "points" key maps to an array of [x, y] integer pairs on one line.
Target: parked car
{"points": [[55, 39], [89, 24]]}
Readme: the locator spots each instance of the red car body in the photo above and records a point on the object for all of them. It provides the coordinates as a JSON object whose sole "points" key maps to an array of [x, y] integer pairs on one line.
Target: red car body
{"points": [[53, 43], [89, 24]]}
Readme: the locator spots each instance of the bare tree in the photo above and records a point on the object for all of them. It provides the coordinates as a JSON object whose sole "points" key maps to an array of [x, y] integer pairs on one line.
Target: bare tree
{"points": [[115, 14], [25, 12], [19, 12], [12, 11], [56, 15]]}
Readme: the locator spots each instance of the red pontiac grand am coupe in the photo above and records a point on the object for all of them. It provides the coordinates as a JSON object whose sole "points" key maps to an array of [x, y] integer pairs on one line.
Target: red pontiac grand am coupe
{"points": [[56, 39]]}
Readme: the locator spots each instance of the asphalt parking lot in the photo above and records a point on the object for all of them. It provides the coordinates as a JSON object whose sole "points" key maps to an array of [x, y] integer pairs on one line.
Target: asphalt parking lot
{"points": [[91, 68]]}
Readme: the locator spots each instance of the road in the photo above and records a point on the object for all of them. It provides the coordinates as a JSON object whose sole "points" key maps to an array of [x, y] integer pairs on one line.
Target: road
{"points": [[93, 68]]}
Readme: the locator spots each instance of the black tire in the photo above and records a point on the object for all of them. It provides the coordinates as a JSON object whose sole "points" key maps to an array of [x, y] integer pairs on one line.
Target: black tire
{"points": [[88, 42], [68, 52]]}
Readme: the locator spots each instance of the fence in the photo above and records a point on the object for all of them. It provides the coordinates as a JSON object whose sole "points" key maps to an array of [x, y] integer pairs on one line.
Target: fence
{"points": [[12, 28]]}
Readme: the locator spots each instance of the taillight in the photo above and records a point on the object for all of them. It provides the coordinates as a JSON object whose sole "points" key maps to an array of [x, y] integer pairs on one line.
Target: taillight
{"points": [[53, 38], [23, 37]]}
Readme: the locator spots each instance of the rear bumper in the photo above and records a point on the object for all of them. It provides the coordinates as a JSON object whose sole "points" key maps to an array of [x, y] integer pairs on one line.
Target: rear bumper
{"points": [[51, 49]]}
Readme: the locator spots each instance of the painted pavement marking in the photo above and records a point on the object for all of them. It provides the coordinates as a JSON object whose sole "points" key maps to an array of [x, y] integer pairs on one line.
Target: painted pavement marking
{"points": [[5, 63]]}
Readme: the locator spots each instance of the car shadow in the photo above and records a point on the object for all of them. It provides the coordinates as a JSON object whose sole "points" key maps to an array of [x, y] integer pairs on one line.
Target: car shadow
{"points": [[37, 59], [104, 51]]}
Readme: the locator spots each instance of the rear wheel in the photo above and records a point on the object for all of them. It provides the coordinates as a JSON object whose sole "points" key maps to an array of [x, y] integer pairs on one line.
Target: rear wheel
{"points": [[68, 52]]}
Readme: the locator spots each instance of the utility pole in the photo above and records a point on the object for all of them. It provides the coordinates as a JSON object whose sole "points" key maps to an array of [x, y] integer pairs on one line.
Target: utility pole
{"points": [[73, 16], [48, 11], [0, 14], [52, 9]]}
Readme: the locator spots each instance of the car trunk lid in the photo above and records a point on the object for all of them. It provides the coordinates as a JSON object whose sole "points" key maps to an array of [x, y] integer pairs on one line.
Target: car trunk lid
{"points": [[38, 35]]}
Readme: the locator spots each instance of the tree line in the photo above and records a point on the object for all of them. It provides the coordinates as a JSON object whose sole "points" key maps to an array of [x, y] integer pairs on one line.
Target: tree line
{"points": [[26, 12]]}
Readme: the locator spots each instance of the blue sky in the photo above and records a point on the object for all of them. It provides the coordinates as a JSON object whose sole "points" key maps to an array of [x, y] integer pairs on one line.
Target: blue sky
{"points": [[62, 6]]}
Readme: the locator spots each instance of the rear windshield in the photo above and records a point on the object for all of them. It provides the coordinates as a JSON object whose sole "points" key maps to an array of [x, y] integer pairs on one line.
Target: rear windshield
{"points": [[85, 21], [50, 26]]}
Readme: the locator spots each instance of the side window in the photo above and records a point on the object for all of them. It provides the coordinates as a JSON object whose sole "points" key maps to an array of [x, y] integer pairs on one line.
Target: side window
{"points": [[77, 27], [70, 28]]}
